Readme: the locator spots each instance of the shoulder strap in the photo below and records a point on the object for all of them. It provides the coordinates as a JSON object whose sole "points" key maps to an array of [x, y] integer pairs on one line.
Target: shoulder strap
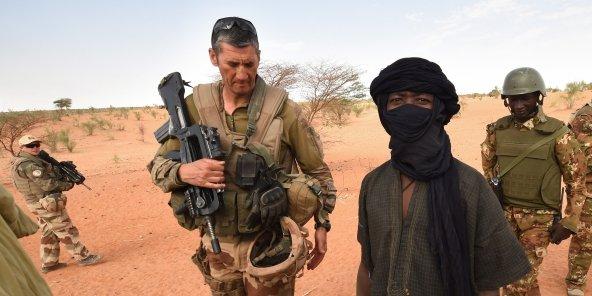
{"points": [[267, 103], [564, 129], [206, 98]]}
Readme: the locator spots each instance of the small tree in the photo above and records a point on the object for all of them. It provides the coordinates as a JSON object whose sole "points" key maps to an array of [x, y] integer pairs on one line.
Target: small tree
{"points": [[13, 125], [63, 103], [279, 74], [324, 84], [494, 93], [572, 89]]}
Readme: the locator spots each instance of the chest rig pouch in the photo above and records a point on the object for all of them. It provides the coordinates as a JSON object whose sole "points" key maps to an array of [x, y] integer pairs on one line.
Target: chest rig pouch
{"points": [[241, 166]]}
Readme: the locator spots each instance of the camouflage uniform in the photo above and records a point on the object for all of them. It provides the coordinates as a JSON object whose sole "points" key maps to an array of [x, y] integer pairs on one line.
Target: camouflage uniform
{"points": [[298, 142], [580, 248], [37, 181], [531, 225]]}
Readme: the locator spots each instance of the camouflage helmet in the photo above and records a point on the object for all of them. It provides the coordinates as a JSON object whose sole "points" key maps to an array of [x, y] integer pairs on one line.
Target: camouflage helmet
{"points": [[523, 81], [278, 254], [303, 197]]}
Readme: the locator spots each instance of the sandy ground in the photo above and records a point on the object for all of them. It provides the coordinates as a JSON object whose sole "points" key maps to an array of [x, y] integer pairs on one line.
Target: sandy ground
{"points": [[126, 218]]}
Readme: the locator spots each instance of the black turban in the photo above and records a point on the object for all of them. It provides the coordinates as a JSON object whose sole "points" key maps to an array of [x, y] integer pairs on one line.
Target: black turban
{"points": [[417, 75]]}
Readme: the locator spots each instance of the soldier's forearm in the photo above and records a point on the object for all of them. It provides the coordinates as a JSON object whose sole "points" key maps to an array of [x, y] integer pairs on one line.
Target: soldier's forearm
{"points": [[164, 174]]}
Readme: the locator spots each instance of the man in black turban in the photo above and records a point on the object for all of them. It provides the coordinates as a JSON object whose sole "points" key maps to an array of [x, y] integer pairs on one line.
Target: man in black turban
{"points": [[428, 223]]}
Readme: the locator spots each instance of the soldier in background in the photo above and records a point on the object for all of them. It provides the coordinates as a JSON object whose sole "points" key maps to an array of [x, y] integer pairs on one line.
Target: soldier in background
{"points": [[532, 186], [42, 188], [580, 248]]}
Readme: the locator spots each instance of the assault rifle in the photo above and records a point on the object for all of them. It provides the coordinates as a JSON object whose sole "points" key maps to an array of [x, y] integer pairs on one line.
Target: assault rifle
{"points": [[65, 169], [197, 142]]}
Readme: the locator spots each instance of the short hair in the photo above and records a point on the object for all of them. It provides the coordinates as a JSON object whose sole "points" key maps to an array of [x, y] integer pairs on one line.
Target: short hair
{"points": [[235, 36]]}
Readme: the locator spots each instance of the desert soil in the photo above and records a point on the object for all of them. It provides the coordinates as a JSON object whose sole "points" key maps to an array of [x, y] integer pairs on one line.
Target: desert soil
{"points": [[126, 218]]}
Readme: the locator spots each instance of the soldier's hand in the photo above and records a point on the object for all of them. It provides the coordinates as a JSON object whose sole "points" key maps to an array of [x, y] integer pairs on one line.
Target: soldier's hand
{"points": [[320, 248], [559, 233], [207, 173]]}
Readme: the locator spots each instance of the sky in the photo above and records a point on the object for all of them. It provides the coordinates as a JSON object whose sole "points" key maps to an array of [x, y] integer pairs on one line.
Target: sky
{"points": [[114, 53]]}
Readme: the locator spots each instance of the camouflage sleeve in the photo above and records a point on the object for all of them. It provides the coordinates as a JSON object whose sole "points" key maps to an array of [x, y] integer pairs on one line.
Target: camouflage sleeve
{"points": [[581, 126], [43, 178], [488, 157], [163, 171], [307, 147], [573, 169]]}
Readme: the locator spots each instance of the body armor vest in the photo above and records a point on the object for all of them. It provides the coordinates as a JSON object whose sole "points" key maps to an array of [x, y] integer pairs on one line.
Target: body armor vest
{"points": [[264, 128], [535, 182], [31, 191]]}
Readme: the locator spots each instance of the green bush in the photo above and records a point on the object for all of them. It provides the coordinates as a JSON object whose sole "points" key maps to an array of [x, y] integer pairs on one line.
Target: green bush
{"points": [[51, 139], [89, 127], [358, 109]]}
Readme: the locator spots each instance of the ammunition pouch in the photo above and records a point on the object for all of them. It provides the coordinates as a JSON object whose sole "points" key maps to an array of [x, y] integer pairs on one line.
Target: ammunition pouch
{"points": [[218, 288], [54, 202], [496, 185], [248, 166], [176, 202]]}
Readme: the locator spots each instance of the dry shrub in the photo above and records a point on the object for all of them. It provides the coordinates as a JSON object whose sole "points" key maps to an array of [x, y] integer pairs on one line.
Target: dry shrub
{"points": [[51, 139], [141, 131], [64, 138], [14, 125], [89, 127]]}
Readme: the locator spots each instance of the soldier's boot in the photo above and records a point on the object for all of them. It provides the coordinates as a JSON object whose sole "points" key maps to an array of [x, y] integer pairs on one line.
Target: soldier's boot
{"points": [[46, 269], [575, 290], [90, 260]]}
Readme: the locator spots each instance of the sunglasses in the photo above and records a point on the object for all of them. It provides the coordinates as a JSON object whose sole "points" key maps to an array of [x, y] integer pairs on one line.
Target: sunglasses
{"points": [[33, 145], [228, 23]]}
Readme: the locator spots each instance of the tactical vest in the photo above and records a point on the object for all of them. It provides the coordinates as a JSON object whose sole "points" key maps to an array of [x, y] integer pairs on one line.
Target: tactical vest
{"points": [[24, 185], [535, 182], [264, 128]]}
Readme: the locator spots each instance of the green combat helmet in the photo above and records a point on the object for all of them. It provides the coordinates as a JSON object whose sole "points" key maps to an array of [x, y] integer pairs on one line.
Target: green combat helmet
{"points": [[523, 81]]}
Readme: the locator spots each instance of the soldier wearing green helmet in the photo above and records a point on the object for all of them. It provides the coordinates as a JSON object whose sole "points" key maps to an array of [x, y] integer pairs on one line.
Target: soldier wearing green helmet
{"points": [[527, 153]]}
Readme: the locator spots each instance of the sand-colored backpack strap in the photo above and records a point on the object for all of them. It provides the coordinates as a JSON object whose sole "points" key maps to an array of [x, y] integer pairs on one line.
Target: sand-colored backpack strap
{"points": [[265, 104], [207, 100]]}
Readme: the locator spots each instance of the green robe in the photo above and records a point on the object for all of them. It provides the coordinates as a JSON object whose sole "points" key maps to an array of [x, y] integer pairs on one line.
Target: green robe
{"points": [[18, 275]]}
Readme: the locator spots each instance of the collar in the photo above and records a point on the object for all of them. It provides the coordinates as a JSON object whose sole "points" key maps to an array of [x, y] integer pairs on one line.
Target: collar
{"points": [[538, 118]]}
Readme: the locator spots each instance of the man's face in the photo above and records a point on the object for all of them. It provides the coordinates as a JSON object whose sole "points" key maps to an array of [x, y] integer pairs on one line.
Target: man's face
{"points": [[32, 148], [400, 98], [238, 67], [523, 106]]}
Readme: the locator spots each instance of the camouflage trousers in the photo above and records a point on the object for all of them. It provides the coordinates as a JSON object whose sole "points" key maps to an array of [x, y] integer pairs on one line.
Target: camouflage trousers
{"points": [[532, 230], [580, 250], [225, 272], [56, 226]]}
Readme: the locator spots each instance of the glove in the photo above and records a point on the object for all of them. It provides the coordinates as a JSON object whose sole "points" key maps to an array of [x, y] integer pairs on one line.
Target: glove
{"points": [[267, 205], [559, 233]]}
